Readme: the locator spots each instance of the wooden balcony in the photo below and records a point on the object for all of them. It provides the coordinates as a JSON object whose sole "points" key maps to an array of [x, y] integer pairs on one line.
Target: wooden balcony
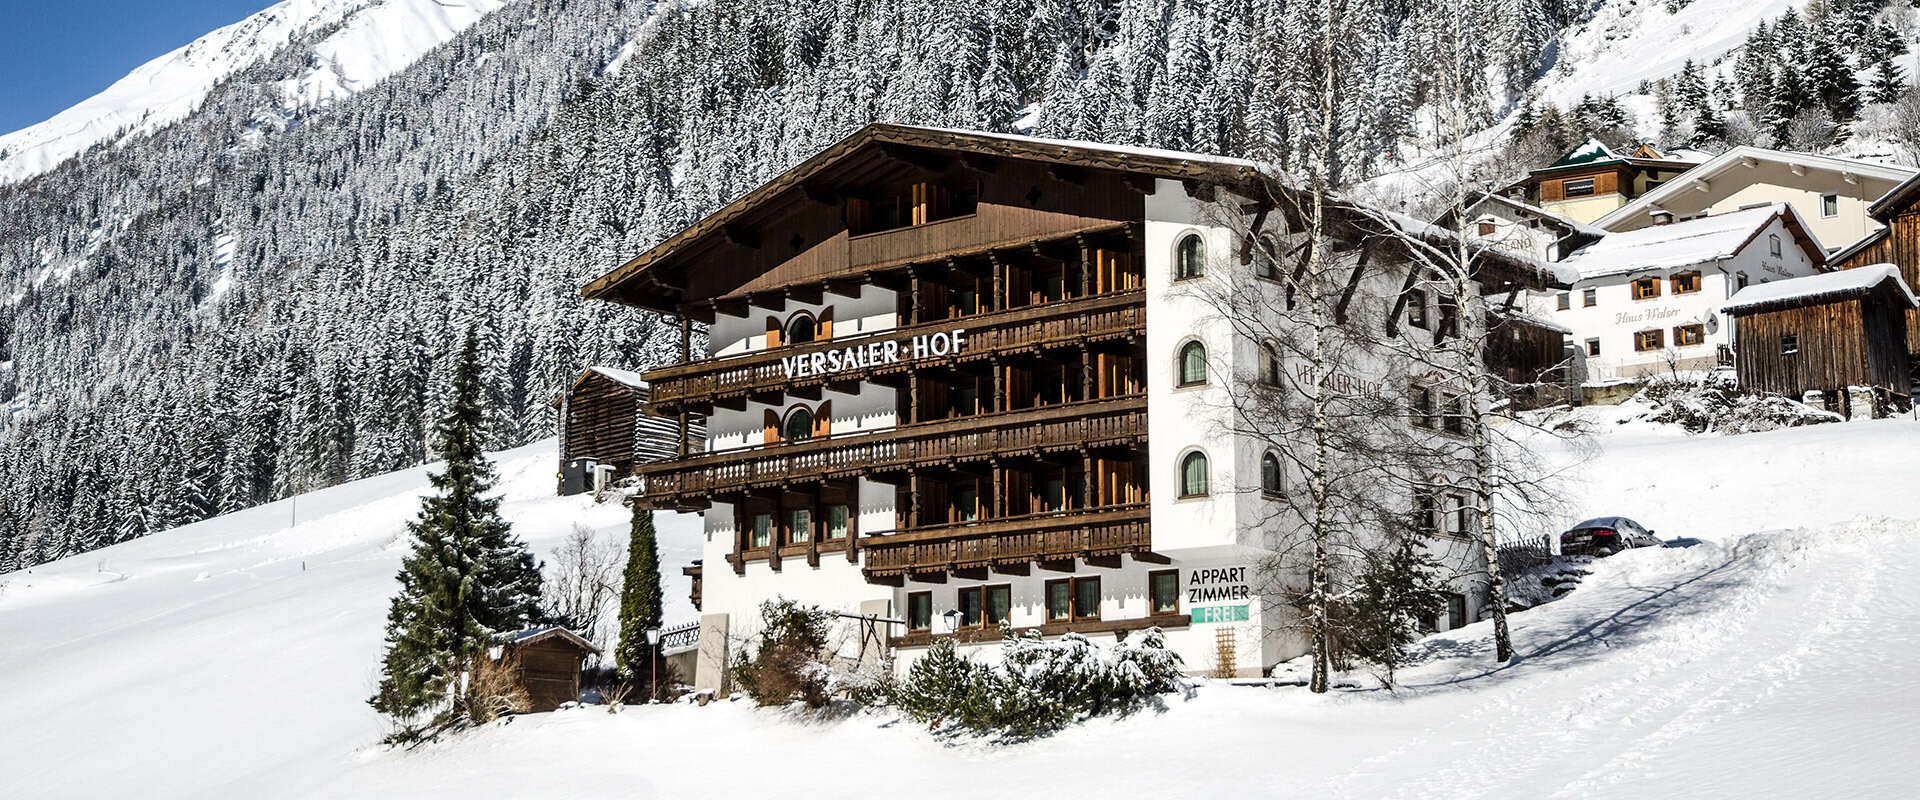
{"points": [[688, 482], [1091, 533], [1094, 318]]}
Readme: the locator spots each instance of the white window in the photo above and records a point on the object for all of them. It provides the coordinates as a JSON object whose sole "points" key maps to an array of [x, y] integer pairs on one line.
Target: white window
{"points": [[1829, 205]]}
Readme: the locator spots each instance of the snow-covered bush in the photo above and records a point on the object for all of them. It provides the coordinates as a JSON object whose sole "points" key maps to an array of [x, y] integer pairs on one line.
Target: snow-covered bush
{"points": [[789, 663], [1039, 686], [1715, 404]]}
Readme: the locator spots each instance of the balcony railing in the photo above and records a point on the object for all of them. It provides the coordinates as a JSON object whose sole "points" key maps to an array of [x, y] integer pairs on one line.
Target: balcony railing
{"points": [[1087, 423], [1093, 318], [1054, 536]]}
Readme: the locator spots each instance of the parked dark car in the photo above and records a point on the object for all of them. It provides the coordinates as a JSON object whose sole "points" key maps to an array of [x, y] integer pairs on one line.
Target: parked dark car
{"points": [[1604, 536]]}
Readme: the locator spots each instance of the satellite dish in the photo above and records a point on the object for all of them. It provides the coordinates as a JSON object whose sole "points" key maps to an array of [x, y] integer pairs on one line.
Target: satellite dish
{"points": [[1713, 323]]}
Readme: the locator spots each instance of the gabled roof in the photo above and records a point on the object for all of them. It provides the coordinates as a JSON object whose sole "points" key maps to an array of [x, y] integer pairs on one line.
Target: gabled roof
{"points": [[1896, 199], [1590, 151], [1530, 210], [1593, 153], [654, 271], [794, 182], [625, 377], [1827, 287], [1694, 241], [521, 638], [1744, 156]]}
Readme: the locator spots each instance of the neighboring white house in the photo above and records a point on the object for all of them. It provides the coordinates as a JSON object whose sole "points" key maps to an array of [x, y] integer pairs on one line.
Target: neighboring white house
{"points": [[1521, 228], [1648, 300], [1831, 194]]}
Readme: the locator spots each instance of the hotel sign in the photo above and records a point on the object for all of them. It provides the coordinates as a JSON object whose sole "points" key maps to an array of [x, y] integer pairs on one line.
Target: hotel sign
{"points": [[877, 353], [1218, 594]]}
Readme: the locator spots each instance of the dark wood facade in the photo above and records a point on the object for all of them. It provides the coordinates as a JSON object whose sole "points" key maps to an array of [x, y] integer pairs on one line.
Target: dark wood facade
{"points": [[603, 416], [549, 661], [1827, 344], [1898, 244]]}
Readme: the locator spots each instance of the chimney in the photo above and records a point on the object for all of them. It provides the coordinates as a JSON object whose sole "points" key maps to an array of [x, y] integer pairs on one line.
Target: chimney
{"points": [[1661, 216]]}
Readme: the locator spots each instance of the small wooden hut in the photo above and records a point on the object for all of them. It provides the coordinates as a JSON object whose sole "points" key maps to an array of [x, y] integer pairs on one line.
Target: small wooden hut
{"points": [[1825, 332], [549, 660], [602, 426]]}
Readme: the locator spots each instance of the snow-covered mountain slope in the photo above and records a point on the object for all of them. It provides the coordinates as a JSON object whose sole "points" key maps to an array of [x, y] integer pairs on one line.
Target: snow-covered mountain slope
{"points": [[1626, 42], [232, 658], [352, 44]]}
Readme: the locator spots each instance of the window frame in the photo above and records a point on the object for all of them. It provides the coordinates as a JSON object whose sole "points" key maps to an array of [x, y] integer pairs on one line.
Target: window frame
{"points": [[1181, 263], [1681, 334], [754, 532], [1647, 288], [1640, 340], [1206, 474], [1829, 199], [1773, 245], [1678, 282], [1153, 605], [1589, 297], [1593, 347], [1094, 581], [813, 328], [1790, 344], [1417, 316], [797, 534], [1274, 483], [1423, 406], [1047, 606], [912, 598], [1564, 301], [846, 522], [1180, 364], [1453, 414], [1270, 366], [786, 423], [1579, 187]]}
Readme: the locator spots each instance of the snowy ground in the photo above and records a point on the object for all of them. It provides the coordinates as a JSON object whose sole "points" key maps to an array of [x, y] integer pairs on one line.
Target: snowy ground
{"points": [[1774, 657]]}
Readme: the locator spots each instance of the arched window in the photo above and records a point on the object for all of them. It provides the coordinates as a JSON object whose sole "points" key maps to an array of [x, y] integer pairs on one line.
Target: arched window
{"points": [[1272, 481], [1269, 365], [1189, 257], [799, 425], [1266, 263], [800, 329], [1193, 474], [1193, 364]]}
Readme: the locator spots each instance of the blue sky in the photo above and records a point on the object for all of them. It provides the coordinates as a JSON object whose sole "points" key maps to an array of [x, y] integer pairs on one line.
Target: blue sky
{"points": [[54, 53]]}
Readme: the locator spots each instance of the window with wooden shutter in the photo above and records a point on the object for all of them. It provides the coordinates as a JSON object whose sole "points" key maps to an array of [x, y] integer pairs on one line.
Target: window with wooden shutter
{"points": [[1685, 282], [1689, 335], [1646, 288], [771, 428], [773, 332], [1649, 340]]}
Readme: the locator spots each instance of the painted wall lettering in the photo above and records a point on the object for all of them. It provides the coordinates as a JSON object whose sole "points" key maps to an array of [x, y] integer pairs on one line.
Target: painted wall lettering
{"points": [[870, 354]]}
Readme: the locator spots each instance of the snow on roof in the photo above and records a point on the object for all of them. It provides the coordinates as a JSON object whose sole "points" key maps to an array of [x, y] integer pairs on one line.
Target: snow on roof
{"points": [[1557, 219], [1082, 144], [1430, 232], [626, 376], [1824, 287], [1587, 152], [1675, 245], [1742, 156], [1687, 155], [534, 634]]}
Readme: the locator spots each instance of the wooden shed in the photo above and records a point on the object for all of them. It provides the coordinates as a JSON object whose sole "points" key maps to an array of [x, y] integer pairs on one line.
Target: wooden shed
{"points": [[1825, 332], [549, 660], [602, 422], [1898, 244]]}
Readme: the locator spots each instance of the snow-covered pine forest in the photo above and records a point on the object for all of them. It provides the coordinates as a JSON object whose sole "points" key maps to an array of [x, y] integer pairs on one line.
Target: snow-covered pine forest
{"points": [[251, 303]]}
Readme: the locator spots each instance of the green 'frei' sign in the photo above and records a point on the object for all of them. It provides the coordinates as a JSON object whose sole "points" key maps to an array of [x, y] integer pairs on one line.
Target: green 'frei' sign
{"points": [[1206, 614]]}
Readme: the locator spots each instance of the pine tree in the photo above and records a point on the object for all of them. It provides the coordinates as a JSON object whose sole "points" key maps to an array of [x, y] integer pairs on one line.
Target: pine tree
{"points": [[639, 596], [468, 577]]}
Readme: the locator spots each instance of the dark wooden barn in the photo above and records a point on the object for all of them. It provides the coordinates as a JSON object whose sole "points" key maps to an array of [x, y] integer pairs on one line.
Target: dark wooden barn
{"points": [[602, 423], [1530, 356], [1898, 244], [1825, 332], [549, 661]]}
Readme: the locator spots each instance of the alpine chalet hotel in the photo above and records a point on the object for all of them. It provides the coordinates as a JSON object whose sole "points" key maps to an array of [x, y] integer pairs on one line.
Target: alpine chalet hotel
{"points": [[951, 379]]}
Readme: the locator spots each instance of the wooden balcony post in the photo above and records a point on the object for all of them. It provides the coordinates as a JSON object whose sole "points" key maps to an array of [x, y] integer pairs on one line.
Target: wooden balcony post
{"points": [[913, 295], [999, 281], [1087, 478], [1086, 373], [682, 444], [913, 498], [1086, 267], [999, 488], [999, 385]]}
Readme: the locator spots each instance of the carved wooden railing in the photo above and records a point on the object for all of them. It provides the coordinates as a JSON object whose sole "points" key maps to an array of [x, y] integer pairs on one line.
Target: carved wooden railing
{"points": [[1089, 319], [1089, 423], [1097, 531]]}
